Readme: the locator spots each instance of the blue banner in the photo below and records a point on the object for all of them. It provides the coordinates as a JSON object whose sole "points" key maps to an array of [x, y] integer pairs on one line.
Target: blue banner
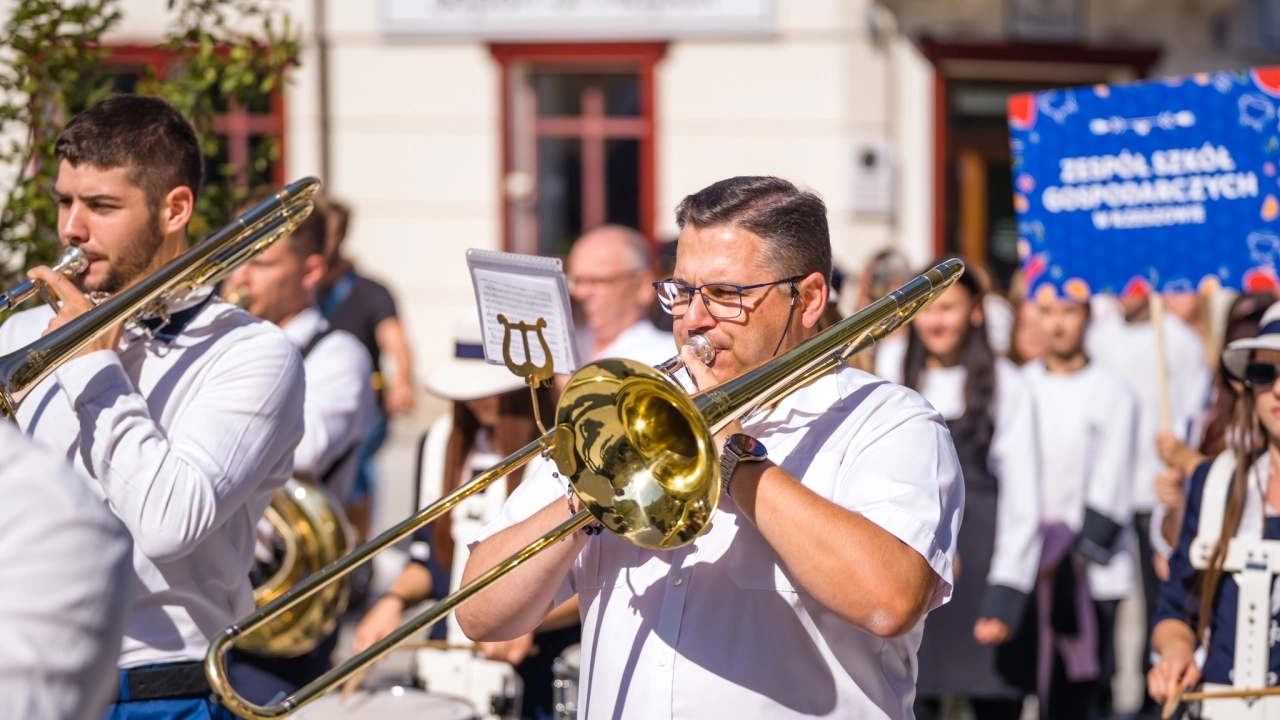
{"points": [[1168, 184]]}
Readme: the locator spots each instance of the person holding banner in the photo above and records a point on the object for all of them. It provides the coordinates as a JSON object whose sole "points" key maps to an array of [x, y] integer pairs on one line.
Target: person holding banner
{"points": [[1235, 497], [1086, 418], [967, 649]]}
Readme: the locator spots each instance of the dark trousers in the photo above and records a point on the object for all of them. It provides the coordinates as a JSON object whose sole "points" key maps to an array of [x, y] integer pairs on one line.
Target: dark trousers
{"points": [[982, 709], [1150, 593], [268, 680], [1088, 699]]}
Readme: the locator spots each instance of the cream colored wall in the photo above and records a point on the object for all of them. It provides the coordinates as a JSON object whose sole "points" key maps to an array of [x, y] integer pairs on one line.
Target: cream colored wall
{"points": [[789, 105]]}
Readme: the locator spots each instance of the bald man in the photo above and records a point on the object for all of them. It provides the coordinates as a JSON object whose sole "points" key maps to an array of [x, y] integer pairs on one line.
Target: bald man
{"points": [[611, 276]]}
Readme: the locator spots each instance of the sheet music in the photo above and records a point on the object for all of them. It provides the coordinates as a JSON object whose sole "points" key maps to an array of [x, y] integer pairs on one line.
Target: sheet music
{"points": [[524, 288]]}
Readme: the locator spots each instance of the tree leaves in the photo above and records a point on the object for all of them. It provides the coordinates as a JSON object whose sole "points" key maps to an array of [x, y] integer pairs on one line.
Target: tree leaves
{"points": [[52, 66]]}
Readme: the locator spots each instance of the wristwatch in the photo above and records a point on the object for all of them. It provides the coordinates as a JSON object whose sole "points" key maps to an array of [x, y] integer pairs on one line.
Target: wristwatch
{"points": [[738, 448]]}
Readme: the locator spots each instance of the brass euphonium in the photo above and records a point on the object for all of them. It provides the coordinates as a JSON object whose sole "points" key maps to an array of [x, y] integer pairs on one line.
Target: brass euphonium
{"points": [[312, 530], [638, 452]]}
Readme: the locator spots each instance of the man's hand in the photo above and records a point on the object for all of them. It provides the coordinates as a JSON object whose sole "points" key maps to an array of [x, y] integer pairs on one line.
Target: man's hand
{"points": [[1176, 671], [705, 380], [990, 631], [398, 398], [74, 304], [381, 620], [512, 651], [1169, 488]]}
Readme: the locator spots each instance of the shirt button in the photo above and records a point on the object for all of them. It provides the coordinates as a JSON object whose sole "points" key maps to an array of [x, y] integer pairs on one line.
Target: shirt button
{"points": [[677, 579], [662, 659]]}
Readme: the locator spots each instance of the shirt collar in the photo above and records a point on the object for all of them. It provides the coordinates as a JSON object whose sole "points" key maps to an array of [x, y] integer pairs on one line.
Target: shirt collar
{"points": [[304, 326], [179, 312]]}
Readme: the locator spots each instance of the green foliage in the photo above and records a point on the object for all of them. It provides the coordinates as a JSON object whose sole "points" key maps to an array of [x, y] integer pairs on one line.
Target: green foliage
{"points": [[52, 67]]}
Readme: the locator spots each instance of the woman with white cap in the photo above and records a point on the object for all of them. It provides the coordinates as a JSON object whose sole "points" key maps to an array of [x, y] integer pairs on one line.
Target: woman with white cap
{"points": [[1216, 619], [492, 417]]}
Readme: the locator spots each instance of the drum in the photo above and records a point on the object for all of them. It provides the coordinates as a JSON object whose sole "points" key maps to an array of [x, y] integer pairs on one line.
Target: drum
{"points": [[391, 703], [565, 669]]}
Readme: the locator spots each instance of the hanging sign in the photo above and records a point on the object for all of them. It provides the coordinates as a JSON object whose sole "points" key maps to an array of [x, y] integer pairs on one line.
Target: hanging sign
{"points": [[1168, 184]]}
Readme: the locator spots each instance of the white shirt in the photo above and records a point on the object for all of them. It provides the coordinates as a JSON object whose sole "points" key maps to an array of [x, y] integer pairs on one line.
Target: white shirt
{"points": [[65, 590], [186, 442], [1012, 459], [1000, 320], [1087, 423], [717, 628], [1129, 350], [642, 342], [339, 401]]}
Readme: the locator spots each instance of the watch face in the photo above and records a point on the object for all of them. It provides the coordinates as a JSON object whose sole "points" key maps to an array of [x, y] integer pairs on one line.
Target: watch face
{"points": [[747, 447]]}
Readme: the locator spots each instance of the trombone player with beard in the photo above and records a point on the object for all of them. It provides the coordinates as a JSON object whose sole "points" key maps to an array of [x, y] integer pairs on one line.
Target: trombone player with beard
{"points": [[182, 424]]}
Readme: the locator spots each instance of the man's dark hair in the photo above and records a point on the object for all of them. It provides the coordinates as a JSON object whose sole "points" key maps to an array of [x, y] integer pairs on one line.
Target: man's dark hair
{"points": [[792, 222], [145, 135], [308, 238]]}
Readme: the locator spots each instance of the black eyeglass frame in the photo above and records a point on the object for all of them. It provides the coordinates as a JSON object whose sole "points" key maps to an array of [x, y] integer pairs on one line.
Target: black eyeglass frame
{"points": [[666, 306]]}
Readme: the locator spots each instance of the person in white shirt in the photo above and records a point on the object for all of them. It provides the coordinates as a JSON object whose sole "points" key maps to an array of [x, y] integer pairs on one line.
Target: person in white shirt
{"points": [[610, 278], [974, 647], [279, 286], [1086, 423], [1124, 341], [65, 562], [183, 425], [805, 596]]}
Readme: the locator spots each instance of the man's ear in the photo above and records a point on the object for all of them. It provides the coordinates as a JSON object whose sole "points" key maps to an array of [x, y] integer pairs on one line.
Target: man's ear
{"points": [[176, 209], [313, 269], [811, 298]]}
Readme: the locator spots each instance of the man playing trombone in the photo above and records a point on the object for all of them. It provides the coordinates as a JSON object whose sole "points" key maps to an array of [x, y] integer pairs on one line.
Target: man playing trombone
{"points": [[183, 423], [836, 526]]}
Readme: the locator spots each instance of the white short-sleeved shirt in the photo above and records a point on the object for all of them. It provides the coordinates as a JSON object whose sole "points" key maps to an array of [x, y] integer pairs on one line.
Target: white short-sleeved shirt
{"points": [[717, 628], [1013, 457], [642, 342]]}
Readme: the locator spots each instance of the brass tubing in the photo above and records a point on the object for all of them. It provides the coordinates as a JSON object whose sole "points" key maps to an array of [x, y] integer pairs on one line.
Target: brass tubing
{"points": [[207, 261], [215, 660]]}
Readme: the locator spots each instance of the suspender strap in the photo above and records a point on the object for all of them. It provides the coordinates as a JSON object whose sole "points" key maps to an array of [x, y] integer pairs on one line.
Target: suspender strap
{"points": [[1213, 505], [315, 340]]}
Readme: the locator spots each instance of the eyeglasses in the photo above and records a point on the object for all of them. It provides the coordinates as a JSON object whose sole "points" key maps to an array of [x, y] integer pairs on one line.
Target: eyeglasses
{"points": [[722, 300], [1260, 375], [582, 283]]}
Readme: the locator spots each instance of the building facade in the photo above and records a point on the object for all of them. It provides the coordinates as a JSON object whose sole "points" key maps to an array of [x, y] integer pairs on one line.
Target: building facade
{"points": [[515, 126]]}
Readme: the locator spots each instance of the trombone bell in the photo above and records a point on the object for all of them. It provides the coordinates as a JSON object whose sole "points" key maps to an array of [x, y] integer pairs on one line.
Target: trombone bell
{"points": [[637, 453]]}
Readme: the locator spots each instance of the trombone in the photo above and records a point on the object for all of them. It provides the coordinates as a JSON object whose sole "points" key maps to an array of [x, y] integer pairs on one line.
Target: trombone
{"points": [[638, 452], [203, 264]]}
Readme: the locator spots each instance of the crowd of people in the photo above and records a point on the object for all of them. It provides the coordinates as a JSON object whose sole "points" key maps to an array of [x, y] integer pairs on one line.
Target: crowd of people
{"points": [[951, 518]]}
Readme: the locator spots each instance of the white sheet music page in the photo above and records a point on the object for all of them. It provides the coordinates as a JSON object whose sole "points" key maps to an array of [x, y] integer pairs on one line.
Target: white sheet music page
{"points": [[523, 289]]}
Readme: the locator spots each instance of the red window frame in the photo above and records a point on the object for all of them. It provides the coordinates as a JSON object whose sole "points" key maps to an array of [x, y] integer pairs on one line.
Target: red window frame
{"points": [[644, 56], [237, 124]]}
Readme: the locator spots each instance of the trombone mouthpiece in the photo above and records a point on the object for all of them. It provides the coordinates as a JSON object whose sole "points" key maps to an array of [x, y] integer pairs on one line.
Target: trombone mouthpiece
{"points": [[72, 262], [701, 347]]}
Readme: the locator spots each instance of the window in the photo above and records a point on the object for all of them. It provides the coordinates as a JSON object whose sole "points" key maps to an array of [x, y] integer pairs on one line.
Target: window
{"points": [[241, 129], [577, 141]]}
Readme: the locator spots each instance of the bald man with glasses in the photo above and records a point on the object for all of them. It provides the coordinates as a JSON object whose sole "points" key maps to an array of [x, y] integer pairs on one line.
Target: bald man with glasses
{"points": [[610, 276]]}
